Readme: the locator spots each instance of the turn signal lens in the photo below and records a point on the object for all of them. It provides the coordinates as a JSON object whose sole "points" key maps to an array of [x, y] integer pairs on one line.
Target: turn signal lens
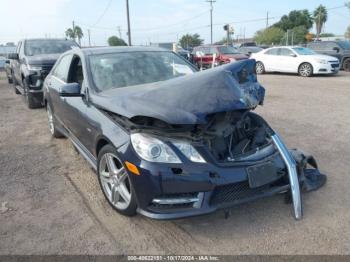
{"points": [[132, 168]]}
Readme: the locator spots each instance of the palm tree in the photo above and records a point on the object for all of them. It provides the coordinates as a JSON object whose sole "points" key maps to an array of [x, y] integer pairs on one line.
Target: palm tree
{"points": [[320, 18], [74, 33]]}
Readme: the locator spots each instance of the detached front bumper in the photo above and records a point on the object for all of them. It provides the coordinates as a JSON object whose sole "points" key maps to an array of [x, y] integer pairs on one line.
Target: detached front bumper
{"points": [[205, 190]]}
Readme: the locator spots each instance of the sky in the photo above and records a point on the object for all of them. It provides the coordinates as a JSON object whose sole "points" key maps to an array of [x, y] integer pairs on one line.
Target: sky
{"points": [[152, 20]]}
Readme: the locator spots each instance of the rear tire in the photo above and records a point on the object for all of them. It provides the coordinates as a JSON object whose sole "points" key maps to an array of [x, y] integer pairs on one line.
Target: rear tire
{"points": [[259, 68], [52, 123], [113, 177], [14, 83], [346, 65], [305, 70]]}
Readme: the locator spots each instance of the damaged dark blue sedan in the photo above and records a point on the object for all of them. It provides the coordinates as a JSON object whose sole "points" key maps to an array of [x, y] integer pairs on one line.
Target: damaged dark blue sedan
{"points": [[167, 141]]}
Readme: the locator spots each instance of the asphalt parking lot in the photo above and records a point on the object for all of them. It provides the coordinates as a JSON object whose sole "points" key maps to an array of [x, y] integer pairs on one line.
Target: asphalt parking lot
{"points": [[50, 201]]}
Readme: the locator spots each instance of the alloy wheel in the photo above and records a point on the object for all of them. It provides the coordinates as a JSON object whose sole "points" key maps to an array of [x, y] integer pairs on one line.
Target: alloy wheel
{"points": [[50, 120], [259, 68], [115, 181], [305, 70]]}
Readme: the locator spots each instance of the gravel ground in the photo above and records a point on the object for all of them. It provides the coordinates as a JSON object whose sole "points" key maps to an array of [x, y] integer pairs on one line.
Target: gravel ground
{"points": [[50, 201]]}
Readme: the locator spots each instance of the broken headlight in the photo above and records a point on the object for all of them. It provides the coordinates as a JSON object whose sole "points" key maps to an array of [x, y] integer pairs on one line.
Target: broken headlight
{"points": [[189, 151], [152, 149]]}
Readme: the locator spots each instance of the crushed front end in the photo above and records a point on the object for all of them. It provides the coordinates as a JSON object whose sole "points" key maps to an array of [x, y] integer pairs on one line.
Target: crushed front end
{"points": [[200, 148], [235, 158]]}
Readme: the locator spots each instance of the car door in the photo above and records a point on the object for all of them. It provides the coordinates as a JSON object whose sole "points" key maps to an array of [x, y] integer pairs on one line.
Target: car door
{"points": [[270, 59], [288, 61], [58, 77], [76, 107]]}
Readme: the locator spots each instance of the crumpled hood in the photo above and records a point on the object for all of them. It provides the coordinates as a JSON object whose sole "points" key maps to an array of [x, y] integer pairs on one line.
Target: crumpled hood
{"points": [[188, 99], [45, 59]]}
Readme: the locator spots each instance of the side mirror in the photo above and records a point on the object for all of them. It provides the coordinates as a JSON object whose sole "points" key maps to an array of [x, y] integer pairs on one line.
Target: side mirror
{"points": [[13, 56], [7, 61], [336, 49], [293, 55], [70, 90]]}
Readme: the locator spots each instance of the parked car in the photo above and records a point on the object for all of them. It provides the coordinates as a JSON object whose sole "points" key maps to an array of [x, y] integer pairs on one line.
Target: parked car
{"points": [[167, 141], [8, 70], [247, 44], [32, 62], [295, 59], [2, 62], [203, 55], [248, 50], [338, 49]]}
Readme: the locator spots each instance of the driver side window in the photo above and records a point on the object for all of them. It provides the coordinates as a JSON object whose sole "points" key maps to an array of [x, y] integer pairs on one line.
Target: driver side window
{"points": [[62, 68], [76, 71]]}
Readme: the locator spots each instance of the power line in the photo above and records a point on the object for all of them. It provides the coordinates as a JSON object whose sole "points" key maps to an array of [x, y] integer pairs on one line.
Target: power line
{"points": [[171, 25], [102, 15]]}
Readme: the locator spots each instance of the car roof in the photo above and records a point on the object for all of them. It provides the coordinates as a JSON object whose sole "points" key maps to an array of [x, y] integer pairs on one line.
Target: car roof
{"points": [[121, 49], [43, 39]]}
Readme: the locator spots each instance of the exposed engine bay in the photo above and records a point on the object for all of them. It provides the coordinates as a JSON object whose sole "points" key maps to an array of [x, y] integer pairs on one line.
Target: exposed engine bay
{"points": [[230, 135]]}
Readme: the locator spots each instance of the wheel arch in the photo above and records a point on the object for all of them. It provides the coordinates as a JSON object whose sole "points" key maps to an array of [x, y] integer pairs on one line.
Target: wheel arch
{"points": [[343, 61], [101, 142], [305, 62]]}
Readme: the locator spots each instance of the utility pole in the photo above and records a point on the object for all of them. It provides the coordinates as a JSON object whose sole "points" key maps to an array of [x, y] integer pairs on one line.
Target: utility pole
{"points": [[128, 18], [120, 32], [211, 20], [267, 19], [89, 37], [73, 28]]}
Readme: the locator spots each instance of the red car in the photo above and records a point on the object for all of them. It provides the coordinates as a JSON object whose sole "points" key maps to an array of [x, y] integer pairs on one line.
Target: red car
{"points": [[203, 55]]}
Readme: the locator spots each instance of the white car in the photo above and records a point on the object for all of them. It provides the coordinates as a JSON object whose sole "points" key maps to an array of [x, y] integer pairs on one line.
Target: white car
{"points": [[294, 59]]}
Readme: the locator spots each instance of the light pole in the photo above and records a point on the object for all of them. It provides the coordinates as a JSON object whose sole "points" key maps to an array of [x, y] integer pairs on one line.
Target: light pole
{"points": [[211, 20], [128, 18]]}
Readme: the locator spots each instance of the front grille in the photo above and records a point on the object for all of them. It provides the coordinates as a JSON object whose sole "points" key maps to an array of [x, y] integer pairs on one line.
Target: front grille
{"points": [[334, 65], [240, 192], [46, 68]]}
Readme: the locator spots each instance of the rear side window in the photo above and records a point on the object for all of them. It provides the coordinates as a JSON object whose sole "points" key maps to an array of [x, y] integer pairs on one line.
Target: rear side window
{"points": [[273, 51], [285, 52], [62, 68]]}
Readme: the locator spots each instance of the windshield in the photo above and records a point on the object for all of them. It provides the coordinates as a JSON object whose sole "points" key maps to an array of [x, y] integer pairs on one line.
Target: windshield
{"points": [[344, 44], [40, 47], [228, 50], [303, 51], [116, 70]]}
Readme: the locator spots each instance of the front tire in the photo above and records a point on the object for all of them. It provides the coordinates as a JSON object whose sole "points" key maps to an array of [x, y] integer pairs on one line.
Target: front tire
{"points": [[115, 182], [305, 70], [259, 68], [52, 123], [31, 101], [9, 80]]}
